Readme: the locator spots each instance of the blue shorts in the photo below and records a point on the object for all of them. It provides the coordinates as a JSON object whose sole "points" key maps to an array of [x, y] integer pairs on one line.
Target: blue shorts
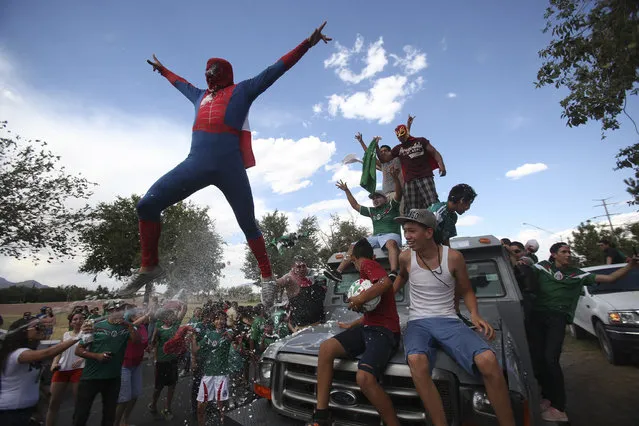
{"points": [[130, 383], [424, 336], [376, 345], [380, 240]]}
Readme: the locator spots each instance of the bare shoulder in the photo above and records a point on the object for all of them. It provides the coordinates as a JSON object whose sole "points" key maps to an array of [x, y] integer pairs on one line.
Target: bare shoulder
{"points": [[455, 259]]}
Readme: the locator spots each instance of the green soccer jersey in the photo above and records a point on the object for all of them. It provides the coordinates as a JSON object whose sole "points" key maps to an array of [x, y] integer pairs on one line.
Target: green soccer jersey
{"points": [[383, 217], [559, 290], [107, 337], [257, 328], [236, 360], [163, 335], [214, 350], [282, 329], [446, 221]]}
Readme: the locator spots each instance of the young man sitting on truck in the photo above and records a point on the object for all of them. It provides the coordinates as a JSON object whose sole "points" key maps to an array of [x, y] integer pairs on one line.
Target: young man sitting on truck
{"points": [[436, 273], [375, 336], [386, 232]]}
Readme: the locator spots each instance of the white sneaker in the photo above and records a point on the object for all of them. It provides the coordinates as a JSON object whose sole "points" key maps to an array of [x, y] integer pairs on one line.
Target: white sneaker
{"points": [[553, 415], [544, 405], [268, 293], [140, 279]]}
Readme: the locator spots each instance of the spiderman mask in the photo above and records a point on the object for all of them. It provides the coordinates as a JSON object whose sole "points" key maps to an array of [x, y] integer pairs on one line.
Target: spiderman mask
{"points": [[219, 74]]}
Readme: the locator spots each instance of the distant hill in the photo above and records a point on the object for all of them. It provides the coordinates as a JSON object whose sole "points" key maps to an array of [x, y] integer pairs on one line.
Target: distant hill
{"points": [[30, 283]]}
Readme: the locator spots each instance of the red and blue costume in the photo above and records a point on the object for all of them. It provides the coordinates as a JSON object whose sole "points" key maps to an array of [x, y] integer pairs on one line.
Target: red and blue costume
{"points": [[220, 152]]}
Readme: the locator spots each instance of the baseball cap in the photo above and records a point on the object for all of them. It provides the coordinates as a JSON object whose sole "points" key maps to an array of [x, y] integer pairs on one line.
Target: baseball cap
{"points": [[375, 193], [423, 216], [114, 304]]}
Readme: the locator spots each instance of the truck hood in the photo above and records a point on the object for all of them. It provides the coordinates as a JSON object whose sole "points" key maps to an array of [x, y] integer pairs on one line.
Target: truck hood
{"points": [[623, 300], [307, 342]]}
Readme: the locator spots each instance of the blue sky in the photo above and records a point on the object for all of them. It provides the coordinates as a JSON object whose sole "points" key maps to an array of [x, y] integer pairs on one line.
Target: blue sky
{"points": [[74, 73]]}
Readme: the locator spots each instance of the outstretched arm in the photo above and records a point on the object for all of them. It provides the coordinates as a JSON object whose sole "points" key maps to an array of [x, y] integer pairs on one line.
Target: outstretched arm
{"points": [[353, 202], [191, 92], [258, 84]]}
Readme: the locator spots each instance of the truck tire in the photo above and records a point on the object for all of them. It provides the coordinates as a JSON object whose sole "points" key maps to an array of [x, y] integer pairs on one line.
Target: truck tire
{"points": [[612, 354], [578, 332]]}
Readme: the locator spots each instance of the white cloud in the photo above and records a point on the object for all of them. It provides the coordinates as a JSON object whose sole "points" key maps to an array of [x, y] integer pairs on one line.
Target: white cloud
{"points": [[386, 95], [346, 173], [375, 60], [443, 44], [469, 220], [413, 61], [381, 103], [451, 95], [525, 170], [286, 165], [318, 108]]}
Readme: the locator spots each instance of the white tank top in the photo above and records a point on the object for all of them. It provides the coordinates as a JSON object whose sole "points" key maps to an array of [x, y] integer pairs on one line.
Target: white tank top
{"points": [[432, 294]]}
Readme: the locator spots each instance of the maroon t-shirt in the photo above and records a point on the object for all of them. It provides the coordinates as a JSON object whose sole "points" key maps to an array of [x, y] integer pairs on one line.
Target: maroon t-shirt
{"points": [[416, 162], [385, 314]]}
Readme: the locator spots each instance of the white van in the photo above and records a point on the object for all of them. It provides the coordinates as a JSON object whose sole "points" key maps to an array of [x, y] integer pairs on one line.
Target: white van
{"points": [[611, 313]]}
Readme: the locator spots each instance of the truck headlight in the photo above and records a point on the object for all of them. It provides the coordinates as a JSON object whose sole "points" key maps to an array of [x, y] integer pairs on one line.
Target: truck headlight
{"points": [[481, 404], [265, 371], [624, 317]]}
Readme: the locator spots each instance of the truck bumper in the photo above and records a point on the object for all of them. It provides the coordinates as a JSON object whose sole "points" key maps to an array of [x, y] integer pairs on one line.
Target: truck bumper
{"points": [[624, 338], [258, 413]]}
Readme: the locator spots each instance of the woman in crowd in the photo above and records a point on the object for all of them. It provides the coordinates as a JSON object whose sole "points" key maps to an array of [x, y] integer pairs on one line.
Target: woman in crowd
{"points": [[67, 370], [20, 367]]}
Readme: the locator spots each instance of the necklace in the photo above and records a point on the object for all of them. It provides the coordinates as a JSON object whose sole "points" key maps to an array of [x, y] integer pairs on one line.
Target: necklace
{"points": [[435, 272]]}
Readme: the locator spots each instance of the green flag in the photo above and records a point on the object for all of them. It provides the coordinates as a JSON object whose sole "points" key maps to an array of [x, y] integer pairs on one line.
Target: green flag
{"points": [[369, 168]]}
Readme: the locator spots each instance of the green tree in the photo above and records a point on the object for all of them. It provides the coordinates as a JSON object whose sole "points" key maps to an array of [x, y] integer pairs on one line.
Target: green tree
{"points": [[341, 234], [584, 241], [190, 248], [594, 53], [274, 226], [34, 192]]}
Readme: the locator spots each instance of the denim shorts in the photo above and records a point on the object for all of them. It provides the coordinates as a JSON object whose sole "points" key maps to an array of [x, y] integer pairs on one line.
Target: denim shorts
{"points": [[376, 345], [380, 240], [426, 335], [130, 383]]}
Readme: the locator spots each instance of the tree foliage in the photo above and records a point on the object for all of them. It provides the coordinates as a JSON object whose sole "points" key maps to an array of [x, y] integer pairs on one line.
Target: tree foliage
{"points": [[594, 53], [26, 294], [34, 194], [584, 241], [190, 248], [341, 234], [274, 226]]}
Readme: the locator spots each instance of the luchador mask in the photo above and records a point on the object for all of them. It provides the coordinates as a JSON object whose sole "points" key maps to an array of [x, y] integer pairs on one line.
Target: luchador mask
{"points": [[219, 73], [401, 132]]}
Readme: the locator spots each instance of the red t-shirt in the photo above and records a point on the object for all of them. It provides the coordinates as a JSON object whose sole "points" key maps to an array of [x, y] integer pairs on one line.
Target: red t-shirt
{"points": [[134, 353], [385, 314], [415, 160]]}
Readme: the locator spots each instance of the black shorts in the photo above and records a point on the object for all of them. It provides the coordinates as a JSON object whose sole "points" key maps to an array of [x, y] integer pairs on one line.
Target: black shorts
{"points": [[166, 373], [375, 344]]}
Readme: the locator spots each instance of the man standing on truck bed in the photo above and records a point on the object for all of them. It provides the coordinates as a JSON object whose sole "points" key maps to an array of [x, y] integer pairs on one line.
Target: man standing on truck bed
{"points": [[386, 232], [435, 273]]}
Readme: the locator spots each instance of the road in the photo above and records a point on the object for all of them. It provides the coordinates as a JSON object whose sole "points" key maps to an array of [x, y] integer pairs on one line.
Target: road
{"points": [[599, 394]]}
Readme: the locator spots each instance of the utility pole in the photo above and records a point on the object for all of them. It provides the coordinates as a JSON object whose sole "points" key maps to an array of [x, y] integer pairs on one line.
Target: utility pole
{"points": [[605, 206]]}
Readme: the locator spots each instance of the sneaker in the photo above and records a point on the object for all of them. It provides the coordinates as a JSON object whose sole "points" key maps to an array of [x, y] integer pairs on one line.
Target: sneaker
{"points": [[553, 415], [138, 280], [392, 275], [544, 405], [167, 414], [268, 293], [152, 409], [333, 274]]}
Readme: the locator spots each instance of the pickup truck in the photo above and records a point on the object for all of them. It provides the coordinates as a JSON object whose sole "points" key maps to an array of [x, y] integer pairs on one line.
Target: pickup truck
{"points": [[287, 370], [611, 313]]}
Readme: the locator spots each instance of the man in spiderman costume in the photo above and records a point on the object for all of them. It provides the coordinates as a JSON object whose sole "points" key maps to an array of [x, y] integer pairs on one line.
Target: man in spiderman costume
{"points": [[220, 154]]}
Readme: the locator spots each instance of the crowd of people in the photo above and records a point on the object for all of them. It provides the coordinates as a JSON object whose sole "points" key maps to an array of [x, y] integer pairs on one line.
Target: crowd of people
{"points": [[104, 353]]}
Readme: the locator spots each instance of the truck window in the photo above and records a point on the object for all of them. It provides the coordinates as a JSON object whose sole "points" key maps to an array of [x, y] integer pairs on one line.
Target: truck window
{"points": [[348, 279], [485, 279]]}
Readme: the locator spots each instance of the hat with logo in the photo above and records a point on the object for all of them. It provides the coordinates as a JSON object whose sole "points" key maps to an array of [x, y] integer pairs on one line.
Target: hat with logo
{"points": [[422, 216]]}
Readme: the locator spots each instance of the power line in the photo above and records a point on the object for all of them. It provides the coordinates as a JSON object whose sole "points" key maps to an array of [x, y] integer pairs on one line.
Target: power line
{"points": [[605, 206]]}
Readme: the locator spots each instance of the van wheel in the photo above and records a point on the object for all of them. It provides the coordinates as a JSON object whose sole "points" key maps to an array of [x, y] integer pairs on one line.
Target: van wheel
{"points": [[613, 355], [578, 332]]}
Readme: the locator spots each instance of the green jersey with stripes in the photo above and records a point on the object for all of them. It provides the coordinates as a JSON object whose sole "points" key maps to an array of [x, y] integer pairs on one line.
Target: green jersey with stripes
{"points": [[214, 352], [559, 289], [446, 221]]}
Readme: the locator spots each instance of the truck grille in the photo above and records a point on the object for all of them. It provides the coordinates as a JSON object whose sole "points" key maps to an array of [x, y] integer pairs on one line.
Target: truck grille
{"points": [[294, 392]]}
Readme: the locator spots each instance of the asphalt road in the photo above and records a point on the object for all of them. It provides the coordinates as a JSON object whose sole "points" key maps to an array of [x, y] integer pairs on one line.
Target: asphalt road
{"points": [[599, 394]]}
